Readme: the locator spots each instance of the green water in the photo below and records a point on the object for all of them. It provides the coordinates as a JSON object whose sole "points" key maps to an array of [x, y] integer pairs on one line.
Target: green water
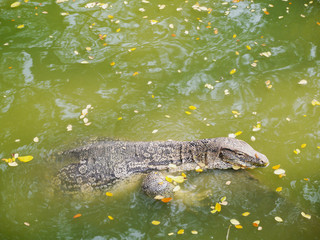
{"points": [[44, 85]]}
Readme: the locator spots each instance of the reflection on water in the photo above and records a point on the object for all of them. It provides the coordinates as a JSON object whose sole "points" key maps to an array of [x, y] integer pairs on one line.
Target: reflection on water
{"points": [[140, 76]]}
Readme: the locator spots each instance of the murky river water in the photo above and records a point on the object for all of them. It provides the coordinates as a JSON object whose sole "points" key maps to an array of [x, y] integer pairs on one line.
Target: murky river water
{"points": [[141, 65]]}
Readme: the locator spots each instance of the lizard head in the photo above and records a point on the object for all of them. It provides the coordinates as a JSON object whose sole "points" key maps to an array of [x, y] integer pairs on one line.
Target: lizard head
{"points": [[238, 153]]}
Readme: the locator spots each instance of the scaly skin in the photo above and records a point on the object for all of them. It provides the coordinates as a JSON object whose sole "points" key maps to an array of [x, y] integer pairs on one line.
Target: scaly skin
{"points": [[101, 163]]}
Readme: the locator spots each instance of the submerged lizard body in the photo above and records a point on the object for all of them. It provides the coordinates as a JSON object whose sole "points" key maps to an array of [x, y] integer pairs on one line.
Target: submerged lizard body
{"points": [[101, 163]]}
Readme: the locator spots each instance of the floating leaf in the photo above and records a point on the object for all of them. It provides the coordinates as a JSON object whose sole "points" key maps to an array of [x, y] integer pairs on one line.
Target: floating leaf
{"points": [[194, 232], [279, 189], [12, 164], [181, 231], [192, 107], [112, 63], [238, 226], [135, 73], [256, 223], [306, 215], [154, 222], [303, 82], [109, 194], [168, 178], [234, 222], [248, 47], [153, 22], [158, 197], [176, 188], [245, 214], [296, 151], [238, 133], [27, 224], [77, 215], [315, 102], [279, 171], [217, 207], [110, 217], [278, 219], [236, 167], [303, 145], [15, 4], [178, 179], [276, 167], [265, 54], [132, 49], [20, 26], [118, 30], [233, 71], [25, 158], [69, 128], [198, 169], [184, 175], [165, 200]]}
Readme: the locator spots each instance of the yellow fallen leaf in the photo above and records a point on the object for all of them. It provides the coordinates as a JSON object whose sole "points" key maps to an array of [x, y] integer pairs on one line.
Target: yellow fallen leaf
{"points": [[135, 73], [110, 217], [187, 112], [238, 133], [296, 151], [199, 170], [238, 226], [234, 35], [109, 194], [248, 47], [181, 231], [192, 107], [303, 145], [279, 189], [20, 26], [235, 112], [154, 222], [15, 4], [306, 215], [169, 179], [131, 49], [25, 158], [237, 53], [218, 207], [183, 175], [153, 22], [112, 63], [276, 167], [315, 102], [118, 30], [233, 71], [110, 16], [119, 118], [245, 214]]}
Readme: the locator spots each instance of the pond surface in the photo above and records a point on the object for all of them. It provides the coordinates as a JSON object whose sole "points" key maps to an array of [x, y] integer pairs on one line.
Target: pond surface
{"points": [[141, 65]]}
